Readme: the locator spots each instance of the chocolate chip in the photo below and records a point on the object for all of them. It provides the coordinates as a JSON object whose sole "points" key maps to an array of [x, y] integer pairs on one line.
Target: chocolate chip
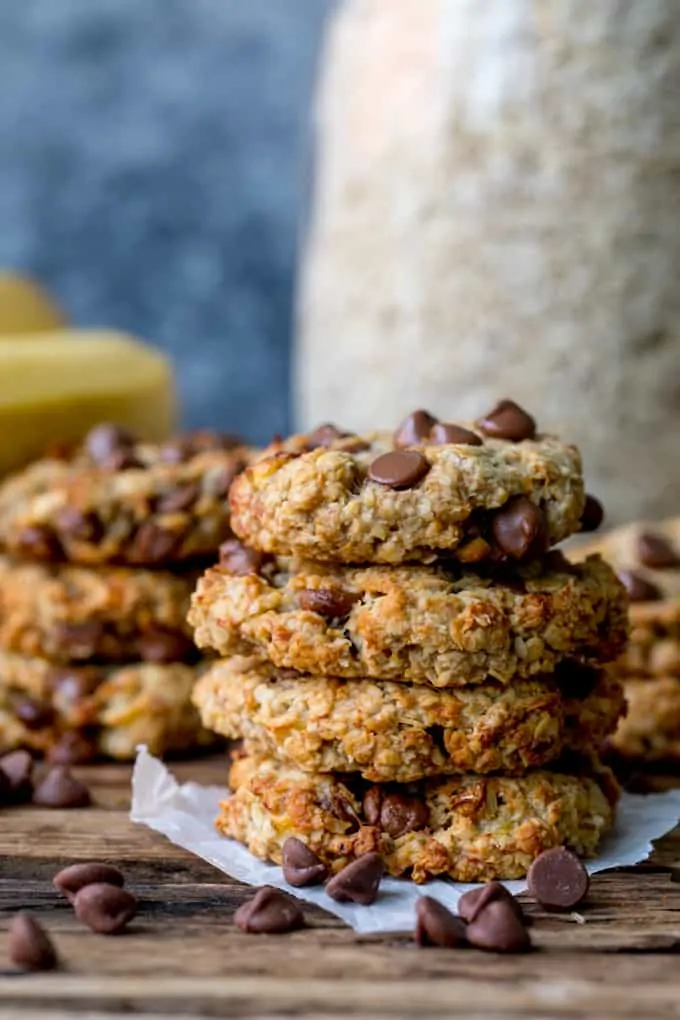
{"points": [[415, 429], [71, 880], [519, 529], [38, 542], [508, 421], [301, 866], [395, 813], [183, 448], [324, 435], [104, 908], [333, 603], [61, 789], [269, 912], [153, 544], [30, 947], [34, 715], [498, 929], [443, 433], [359, 881], [81, 639], [437, 926], [238, 559], [639, 588], [72, 748], [17, 767], [164, 646], [78, 525], [104, 441], [401, 469], [473, 902], [593, 514], [557, 879], [656, 552], [178, 499]]}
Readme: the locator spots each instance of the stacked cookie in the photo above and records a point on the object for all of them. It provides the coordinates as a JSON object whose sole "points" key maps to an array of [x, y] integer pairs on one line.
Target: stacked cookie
{"points": [[100, 558], [409, 668], [647, 560]]}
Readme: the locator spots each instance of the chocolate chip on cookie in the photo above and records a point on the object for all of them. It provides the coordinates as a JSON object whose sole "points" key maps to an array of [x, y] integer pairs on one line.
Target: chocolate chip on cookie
{"points": [[593, 514], [333, 603], [639, 588], [324, 435], [656, 552], [415, 429], [239, 559], [443, 433], [395, 813], [401, 469], [509, 421], [519, 529]]}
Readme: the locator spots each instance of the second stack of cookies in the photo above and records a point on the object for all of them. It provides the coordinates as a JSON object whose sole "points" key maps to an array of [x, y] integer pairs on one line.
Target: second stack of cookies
{"points": [[410, 670]]}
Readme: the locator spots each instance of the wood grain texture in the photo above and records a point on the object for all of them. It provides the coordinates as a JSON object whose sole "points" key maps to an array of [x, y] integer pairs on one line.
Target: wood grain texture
{"points": [[183, 957]]}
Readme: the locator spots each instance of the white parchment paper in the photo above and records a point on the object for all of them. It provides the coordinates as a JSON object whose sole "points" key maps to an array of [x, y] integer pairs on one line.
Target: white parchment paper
{"points": [[185, 813]]}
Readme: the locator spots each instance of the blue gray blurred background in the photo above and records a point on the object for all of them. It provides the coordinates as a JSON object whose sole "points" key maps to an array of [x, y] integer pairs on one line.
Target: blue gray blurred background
{"points": [[153, 173]]}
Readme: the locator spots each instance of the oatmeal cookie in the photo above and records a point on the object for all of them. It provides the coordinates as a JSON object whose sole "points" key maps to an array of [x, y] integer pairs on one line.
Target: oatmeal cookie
{"points": [[647, 559], [391, 732], [650, 731], [475, 492], [470, 828], [83, 712], [442, 625], [120, 501], [75, 614]]}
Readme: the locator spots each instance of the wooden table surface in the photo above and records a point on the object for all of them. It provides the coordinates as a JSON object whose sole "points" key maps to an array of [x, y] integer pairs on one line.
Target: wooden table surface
{"points": [[182, 957]]}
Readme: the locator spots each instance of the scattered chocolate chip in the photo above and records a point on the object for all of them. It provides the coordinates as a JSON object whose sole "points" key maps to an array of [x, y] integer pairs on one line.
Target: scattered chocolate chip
{"points": [[333, 603], [498, 929], [81, 639], [103, 441], [72, 748], [656, 552], [395, 813], [30, 947], [164, 646], [71, 880], [471, 903], [179, 499], [401, 469], [415, 429], [639, 588], [34, 715], [519, 529], [324, 435], [17, 767], [38, 542], [301, 866], [508, 421], [153, 544], [359, 881], [269, 912], [437, 926], [238, 559], [77, 525], [61, 789], [443, 433], [593, 514], [557, 879], [104, 908]]}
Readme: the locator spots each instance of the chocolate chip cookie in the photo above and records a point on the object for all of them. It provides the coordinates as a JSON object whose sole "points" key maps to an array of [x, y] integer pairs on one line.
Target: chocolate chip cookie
{"points": [[442, 625], [469, 828], [494, 489], [391, 732], [80, 713], [121, 501], [75, 614]]}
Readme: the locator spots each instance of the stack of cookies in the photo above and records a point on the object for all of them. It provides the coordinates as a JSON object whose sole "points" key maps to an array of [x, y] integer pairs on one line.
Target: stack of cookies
{"points": [[410, 669], [101, 551], [647, 560]]}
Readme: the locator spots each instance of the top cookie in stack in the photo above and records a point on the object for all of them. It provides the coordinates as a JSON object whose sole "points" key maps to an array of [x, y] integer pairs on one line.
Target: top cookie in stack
{"points": [[95, 653], [395, 617]]}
